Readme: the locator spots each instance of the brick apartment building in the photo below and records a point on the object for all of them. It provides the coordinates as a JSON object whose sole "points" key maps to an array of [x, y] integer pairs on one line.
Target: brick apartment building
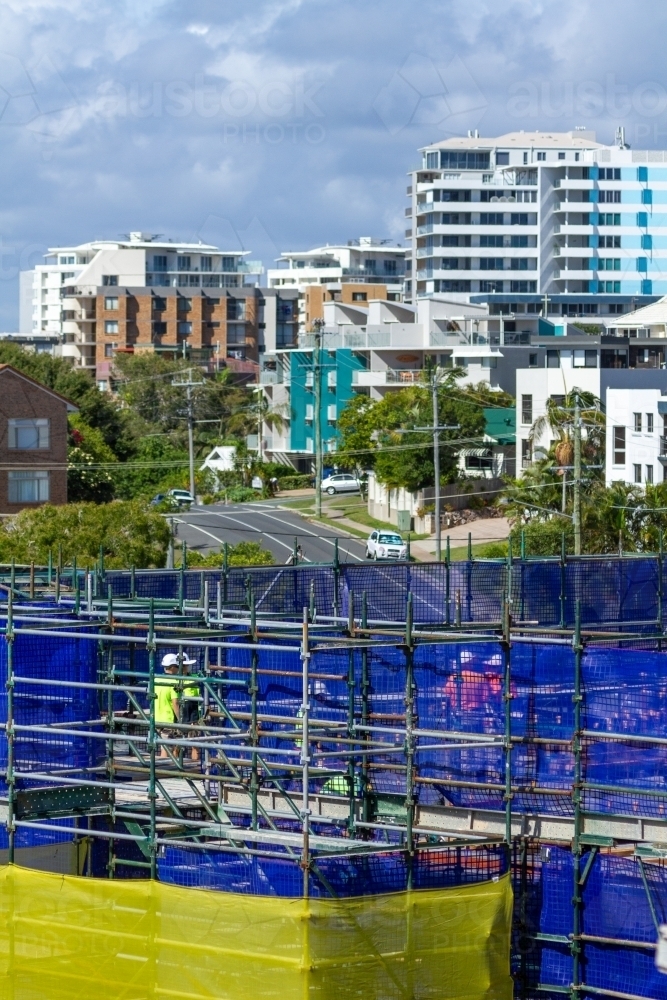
{"points": [[221, 328], [33, 442]]}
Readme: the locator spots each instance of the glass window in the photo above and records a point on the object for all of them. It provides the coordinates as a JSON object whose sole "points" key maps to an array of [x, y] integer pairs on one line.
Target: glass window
{"points": [[160, 262], [638, 421], [229, 263], [159, 304], [109, 350], [236, 333], [185, 329], [649, 473], [649, 423], [31, 486], [541, 156], [638, 473], [109, 279], [527, 409], [532, 360], [67, 260], [111, 326], [619, 445], [464, 160], [502, 159], [206, 263], [29, 435], [183, 263], [553, 359], [110, 302], [526, 453]]}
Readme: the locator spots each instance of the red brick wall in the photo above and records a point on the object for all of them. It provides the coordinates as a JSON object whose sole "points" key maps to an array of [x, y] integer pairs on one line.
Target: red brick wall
{"points": [[20, 398]]}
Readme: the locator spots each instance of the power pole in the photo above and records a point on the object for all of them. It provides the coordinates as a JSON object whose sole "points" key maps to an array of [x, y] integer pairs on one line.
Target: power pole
{"points": [[576, 509], [189, 385], [317, 420], [436, 467]]}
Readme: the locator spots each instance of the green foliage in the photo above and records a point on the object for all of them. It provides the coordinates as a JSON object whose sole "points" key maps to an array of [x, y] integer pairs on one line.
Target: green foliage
{"points": [[543, 538], [156, 467], [131, 533], [87, 449], [381, 434], [242, 554]]}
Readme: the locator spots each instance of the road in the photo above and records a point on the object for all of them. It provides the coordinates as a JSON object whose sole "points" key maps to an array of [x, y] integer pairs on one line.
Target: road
{"points": [[207, 528]]}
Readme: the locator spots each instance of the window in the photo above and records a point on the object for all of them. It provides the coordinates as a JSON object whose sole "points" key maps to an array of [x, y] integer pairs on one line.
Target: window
{"points": [[638, 473], [236, 309], [638, 421], [110, 302], [66, 260], [229, 264], [553, 359], [109, 350], [610, 196], [519, 241], [523, 286], [609, 219], [236, 333], [609, 264], [526, 454], [183, 263], [359, 296], [619, 445], [522, 263], [649, 423], [109, 279], [613, 358], [525, 158], [610, 174], [159, 329], [649, 473], [519, 218], [159, 304], [502, 159], [206, 263], [160, 263], [532, 360], [527, 409], [111, 326], [491, 264], [610, 242], [183, 304], [491, 219], [184, 329], [29, 434], [541, 156], [487, 241], [390, 267], [561, 156], [31, 486], [584, 359], [464, 160]]}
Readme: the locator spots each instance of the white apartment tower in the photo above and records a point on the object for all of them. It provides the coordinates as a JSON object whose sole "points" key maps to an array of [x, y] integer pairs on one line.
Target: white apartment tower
{"points": [[140, 261], [512, 219]]}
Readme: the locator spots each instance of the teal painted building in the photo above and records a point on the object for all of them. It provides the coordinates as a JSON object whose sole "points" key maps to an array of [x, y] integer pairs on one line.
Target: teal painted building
{"points": [[337, 368]]}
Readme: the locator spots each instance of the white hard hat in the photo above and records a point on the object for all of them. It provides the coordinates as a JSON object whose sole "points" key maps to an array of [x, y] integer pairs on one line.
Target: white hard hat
{"points": [[171, 660]]}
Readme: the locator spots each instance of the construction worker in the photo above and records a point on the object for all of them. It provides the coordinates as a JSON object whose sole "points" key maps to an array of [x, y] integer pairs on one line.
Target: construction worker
{"points": [[187, 707], [166, 702]]}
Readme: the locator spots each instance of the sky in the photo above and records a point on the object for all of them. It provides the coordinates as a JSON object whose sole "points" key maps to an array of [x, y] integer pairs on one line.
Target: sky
{"points": [[287, 124]]}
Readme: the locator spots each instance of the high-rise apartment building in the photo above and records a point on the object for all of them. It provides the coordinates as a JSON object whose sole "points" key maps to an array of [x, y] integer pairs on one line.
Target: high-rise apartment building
{"points": [[128, 289], [512, 219]]}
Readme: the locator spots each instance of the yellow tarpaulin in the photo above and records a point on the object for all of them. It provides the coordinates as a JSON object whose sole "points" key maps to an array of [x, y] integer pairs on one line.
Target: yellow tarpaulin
{"points": [[63, 936]]}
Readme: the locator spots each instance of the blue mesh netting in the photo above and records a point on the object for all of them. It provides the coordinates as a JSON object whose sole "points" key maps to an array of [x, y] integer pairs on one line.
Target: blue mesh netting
{"points": [[616, 907], [368, 875], [55, 659], [611, 589]]}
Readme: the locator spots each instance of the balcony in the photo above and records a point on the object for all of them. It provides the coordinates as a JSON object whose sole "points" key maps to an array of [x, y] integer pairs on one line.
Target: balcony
{"points": [[396, 378]]}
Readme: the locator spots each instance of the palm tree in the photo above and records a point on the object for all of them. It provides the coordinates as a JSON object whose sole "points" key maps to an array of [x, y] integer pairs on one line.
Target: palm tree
{"points": [[559, 419]]}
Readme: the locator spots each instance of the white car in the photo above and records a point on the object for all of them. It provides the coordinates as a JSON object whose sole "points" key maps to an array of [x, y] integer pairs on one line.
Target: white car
{"points": [[386, 545], [341, 482], [182, 497]]}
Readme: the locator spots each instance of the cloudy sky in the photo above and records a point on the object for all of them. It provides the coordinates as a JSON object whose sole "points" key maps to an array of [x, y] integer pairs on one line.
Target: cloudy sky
{"points": [[283, 124]]}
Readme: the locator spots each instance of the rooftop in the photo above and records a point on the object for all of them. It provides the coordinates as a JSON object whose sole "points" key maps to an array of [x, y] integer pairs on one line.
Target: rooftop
{"points": [[578, 139]]}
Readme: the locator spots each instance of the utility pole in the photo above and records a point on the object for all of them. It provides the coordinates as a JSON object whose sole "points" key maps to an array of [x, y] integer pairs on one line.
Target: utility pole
{"points": [[576, 509], [189, 385], [435, 430], [317, 419]]}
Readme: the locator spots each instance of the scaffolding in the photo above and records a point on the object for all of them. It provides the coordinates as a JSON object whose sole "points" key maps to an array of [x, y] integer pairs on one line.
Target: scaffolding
{"points": [[331, 752]]}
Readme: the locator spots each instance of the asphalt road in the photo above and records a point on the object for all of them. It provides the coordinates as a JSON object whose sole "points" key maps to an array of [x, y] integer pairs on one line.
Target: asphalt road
{"points": [[207, 528]]}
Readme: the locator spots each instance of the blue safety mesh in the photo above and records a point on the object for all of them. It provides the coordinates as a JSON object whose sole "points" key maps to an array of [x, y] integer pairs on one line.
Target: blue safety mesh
{"points": [[616, 906], [56, 660], [343, 877]]}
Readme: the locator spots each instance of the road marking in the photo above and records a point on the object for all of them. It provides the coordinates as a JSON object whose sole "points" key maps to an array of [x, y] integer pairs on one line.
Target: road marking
{"points": [[321, 537], [249, 527]]}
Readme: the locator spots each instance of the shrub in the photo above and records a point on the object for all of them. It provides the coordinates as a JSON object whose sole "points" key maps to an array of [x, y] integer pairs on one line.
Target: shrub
{"points": [[242, 554]]}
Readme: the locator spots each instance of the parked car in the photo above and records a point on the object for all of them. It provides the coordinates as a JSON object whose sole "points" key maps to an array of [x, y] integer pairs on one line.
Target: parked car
{"points": [[182, 497], [163, 500], [386, 545], [341, 482]]}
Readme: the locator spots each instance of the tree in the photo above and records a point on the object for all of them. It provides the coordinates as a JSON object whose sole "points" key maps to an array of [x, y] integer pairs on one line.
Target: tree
{"points": [[384, 434], [88, 450], [131, 534], [559, 419]]}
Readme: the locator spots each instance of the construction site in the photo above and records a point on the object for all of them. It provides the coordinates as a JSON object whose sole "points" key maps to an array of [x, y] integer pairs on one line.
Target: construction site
{"points": [[436, 780]]}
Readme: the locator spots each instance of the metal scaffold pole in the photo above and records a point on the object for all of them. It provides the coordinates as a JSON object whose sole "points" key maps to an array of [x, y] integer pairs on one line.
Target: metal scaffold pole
{"points": [[577, 900], [305, 757], [152, 741], [11, 780]]}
